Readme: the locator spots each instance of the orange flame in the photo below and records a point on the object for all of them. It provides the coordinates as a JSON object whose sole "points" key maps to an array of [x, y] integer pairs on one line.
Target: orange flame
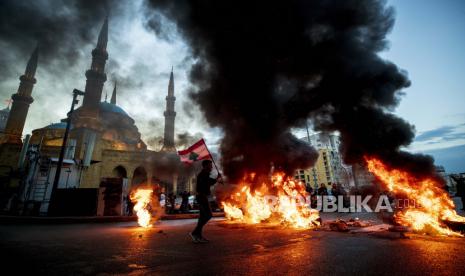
{"points": [[143, 199], [433, 204], [257, 206]]}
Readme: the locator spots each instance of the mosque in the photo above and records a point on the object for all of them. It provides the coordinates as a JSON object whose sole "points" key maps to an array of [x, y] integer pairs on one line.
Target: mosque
{"points": [[104, 141]]}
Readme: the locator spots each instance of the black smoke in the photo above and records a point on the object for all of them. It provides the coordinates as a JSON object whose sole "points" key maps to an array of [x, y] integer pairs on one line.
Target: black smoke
{"points": [[66, 32], [264, 67], [60, 28], [186, 139]]}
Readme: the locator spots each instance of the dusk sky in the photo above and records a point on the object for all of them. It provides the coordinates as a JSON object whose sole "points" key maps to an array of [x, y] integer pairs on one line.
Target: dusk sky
{"points": [[428, 42]]}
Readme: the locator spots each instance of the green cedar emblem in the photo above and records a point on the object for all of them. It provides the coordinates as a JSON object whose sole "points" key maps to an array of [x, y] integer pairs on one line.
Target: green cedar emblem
{"points": [[193, 156]]}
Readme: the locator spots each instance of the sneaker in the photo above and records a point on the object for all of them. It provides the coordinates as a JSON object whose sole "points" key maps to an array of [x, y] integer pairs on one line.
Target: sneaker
{"points": [[194, 238], [203, 240]]}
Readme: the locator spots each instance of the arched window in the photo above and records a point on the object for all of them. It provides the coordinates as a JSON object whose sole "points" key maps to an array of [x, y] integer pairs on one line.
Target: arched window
{"points": [[120, 171], [140, 176]]}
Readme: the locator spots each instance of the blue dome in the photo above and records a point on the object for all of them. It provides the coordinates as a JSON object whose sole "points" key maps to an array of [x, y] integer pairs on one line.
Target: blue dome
{"points": [[108, 107], [61, 125]]}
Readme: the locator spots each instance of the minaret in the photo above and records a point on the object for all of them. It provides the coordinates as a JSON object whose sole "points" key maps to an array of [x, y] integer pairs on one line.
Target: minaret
{"points": [[21, 101], [113, 96], [96, 76], [170, 114]]}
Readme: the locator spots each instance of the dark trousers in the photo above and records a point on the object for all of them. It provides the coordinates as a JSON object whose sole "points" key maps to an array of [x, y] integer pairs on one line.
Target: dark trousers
{"points": [[205, 214]]}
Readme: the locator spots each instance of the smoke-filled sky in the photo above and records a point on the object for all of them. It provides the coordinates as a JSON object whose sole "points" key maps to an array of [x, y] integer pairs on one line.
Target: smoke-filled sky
{"points": [[67, 31], [427, 41]]}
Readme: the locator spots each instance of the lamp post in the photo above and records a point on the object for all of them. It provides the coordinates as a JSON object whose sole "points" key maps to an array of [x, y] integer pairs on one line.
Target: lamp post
{"points": [[76, 93]]}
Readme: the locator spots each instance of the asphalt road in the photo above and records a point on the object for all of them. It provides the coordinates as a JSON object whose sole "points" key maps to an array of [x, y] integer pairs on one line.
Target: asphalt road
{"points": [[124, 248]]}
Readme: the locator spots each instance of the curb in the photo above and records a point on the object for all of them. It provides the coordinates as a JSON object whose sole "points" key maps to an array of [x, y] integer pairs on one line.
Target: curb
{"points": [[9, 220]]}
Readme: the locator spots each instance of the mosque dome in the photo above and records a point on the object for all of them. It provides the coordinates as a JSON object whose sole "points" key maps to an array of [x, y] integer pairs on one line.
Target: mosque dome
{"points": [[60, 125], [104, 106], [50, 135], [109, 107]]}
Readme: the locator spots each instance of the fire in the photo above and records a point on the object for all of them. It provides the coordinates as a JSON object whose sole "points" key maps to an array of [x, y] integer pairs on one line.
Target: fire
{"points": [[281, 201], [433, 204], [143, 199]]}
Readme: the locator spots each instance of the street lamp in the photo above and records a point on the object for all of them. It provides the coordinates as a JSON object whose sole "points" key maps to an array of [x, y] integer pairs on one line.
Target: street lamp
{"points": [[76, 93]]}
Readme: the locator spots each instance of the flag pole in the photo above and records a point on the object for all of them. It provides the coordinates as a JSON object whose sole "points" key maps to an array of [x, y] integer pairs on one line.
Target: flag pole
{"points": [[213, 160]]}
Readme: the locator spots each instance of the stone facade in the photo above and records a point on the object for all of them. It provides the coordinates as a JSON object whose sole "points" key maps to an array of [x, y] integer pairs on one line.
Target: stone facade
{"points": [[104, 144], [105, 140]]}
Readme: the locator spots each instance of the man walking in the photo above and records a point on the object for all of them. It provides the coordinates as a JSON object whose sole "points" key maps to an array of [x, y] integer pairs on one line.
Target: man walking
{"points": [[204, 182]]}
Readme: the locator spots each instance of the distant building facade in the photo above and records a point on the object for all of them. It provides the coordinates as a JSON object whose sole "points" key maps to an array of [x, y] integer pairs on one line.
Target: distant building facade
{"points": [[362, 177], [329, 167]]}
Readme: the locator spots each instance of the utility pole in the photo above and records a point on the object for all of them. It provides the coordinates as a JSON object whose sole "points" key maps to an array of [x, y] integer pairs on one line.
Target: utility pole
{"points": [[76, 93]]}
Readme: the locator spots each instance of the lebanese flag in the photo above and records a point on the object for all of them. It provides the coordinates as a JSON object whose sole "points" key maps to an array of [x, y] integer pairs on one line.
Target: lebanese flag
{"points": [[196, 152]]}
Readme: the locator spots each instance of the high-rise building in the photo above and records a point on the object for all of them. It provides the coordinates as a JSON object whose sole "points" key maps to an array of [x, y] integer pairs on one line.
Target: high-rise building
{"points": [[362, 177], [329, 167]]}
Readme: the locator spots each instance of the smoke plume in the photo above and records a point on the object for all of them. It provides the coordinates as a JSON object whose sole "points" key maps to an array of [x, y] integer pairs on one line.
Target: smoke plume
{"points": [[264, 67], [50, 24], [66, 32], [186, 139]]}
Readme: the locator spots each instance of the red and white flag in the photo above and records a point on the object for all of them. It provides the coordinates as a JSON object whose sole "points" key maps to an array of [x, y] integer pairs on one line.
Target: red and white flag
{"points": [[196, 152]]}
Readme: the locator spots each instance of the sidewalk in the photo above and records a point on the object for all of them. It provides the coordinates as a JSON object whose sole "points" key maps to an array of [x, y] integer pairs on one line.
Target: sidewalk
{"points": [[4, 220]]}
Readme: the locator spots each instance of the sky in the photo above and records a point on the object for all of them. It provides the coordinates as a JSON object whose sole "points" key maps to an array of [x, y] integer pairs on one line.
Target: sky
{"points": [[139, 61], [427, 41]]}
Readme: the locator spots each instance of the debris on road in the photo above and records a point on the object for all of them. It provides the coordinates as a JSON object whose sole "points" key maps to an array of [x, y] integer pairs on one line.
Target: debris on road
{"points": [[347, 225], [339, 225]]}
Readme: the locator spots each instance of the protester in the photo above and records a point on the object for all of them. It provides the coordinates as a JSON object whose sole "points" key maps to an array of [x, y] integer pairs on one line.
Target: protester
{"points": [[172, 202], [204, 182], [309, 189], [185, 201], [162, 200], [129, 205], [329, 188], [322, 191], [336, 191]]}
